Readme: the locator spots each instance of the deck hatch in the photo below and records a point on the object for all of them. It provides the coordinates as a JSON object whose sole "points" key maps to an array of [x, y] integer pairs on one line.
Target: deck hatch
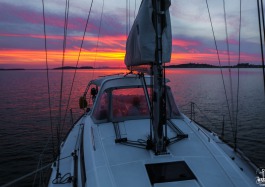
{"points": [[169, 172]]}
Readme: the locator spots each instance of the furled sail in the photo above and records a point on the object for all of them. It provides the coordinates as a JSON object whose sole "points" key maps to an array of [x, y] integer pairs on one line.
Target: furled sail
{"points": [[141, 42]]}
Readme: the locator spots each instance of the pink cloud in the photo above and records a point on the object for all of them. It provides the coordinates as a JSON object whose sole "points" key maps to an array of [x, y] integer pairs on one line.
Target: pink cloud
{"points": [[184, 43]]}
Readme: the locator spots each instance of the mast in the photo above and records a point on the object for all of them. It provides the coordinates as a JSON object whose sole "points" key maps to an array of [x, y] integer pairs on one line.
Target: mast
{"points": [[159, 100], [150, 43]]}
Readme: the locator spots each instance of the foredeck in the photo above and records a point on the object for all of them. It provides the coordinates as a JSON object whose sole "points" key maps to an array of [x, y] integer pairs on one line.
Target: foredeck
{"points": [[116, 164]]}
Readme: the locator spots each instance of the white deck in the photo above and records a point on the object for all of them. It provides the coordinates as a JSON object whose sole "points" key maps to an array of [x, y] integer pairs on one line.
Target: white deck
{"points": [[113, 164]]}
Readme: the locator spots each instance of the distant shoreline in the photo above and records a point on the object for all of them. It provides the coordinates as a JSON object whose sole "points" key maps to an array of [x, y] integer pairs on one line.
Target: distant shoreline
{"points": [[179, 66], [12, 69], [194, 65]]}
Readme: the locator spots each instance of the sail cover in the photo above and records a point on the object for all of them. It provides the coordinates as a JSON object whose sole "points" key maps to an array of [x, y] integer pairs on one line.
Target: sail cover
{"points": [[141, 42]]}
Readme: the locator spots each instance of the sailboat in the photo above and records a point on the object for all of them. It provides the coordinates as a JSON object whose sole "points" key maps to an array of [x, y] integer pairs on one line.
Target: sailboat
{"points": [[132, 132]]}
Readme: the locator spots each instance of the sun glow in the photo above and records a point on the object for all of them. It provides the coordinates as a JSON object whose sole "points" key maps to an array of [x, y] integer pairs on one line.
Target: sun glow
{"points": [[105, 51], [37, 58]]}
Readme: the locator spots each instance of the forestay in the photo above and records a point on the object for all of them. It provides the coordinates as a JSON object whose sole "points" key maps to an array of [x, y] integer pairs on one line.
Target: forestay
{"points": [[141, 42]]}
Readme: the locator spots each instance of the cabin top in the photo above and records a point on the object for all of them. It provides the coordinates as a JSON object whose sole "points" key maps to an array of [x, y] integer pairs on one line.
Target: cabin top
{"points": [[126, 97]]}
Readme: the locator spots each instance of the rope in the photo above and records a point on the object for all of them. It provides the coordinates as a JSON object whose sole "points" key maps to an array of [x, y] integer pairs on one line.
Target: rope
{"points": [[66, 178], [219, 61]]}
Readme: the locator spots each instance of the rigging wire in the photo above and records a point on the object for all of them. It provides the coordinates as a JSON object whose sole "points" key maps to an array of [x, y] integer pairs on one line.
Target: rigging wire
{"points": [[47, 74], [238, 74], [262, 13], [134, 9], [261, 41], [263, 67], [12, 183], [61, 86], [230, 74], [40, 162], [99, 31], [126, 18], [220, 67], [129, 14], [126, 23], [63, 60], [77, 62], [226, 32], [229, 67]]}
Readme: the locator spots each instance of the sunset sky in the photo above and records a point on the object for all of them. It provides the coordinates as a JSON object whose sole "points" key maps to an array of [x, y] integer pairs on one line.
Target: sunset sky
{"points": [[22, 35]]}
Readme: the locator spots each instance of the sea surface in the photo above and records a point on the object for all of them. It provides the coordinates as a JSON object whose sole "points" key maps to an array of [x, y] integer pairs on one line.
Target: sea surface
{"points": [[28, 132]]}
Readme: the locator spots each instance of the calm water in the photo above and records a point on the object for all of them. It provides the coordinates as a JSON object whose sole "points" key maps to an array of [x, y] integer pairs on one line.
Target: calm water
{"points": [[25, 128]]}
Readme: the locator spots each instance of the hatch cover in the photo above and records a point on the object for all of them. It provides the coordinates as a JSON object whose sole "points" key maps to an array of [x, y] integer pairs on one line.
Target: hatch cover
{"points": [[169, 172]]}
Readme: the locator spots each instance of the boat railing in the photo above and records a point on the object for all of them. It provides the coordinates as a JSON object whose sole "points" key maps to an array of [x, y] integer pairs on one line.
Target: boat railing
{"points": [[218, 124], [212, 122], [199, 116]]}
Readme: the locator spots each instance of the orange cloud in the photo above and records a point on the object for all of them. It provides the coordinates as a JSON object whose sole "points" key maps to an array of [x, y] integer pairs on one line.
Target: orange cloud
{"points": [[38, 58], [110, 57]]}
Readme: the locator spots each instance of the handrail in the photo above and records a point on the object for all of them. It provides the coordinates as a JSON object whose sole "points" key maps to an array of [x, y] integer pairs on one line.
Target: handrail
{"points": [[82, 160], [93, 139]]}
